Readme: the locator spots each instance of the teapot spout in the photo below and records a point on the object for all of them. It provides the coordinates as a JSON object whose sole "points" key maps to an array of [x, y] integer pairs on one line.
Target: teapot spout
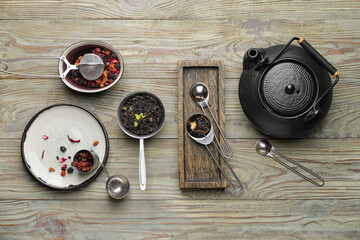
{"points": [[252, 57]]}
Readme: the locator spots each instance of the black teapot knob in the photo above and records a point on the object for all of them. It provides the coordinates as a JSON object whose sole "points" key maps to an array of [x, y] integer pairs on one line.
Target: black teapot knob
{"points": [[290, 88]]}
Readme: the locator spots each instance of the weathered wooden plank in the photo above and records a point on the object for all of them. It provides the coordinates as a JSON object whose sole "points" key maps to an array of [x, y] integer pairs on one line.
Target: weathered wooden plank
{"points": [[337, 161], [151, 49], [185, 9], [180, 219]]}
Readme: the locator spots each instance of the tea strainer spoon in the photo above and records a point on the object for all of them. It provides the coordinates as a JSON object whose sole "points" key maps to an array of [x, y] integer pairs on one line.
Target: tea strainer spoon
{"points": [[199, 93], [91, 67], [264, 148], [206, 141]]}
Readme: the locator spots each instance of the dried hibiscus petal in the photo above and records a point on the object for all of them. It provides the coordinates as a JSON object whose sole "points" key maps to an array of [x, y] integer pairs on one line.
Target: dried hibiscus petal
{"points": [[45, 137], [72, 140], [42, 155], [63, 160]]}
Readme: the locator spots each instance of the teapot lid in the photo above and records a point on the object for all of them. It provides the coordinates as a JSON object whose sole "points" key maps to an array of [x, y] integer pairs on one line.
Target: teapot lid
{"points": [[288, 88]]}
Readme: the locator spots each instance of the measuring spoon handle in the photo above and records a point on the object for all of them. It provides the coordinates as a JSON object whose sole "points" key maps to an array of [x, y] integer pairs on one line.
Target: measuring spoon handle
{"points": [[294, 170]]}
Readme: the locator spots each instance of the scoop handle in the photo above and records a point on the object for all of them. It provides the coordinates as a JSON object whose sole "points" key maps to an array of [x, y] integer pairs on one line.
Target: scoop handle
{"points": [[69, 67], [272, 155], [142, 166], [318, 57]]}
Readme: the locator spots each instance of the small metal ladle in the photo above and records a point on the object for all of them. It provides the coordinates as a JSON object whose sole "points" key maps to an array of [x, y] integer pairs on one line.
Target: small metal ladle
{"points": [[207, 140], [264, 148], [199, 93]]}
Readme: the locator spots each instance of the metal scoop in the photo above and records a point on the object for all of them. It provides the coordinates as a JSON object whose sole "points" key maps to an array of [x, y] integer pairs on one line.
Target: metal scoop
{"points": [[199, 93], [117, 186], [264, 148], [91, 67], [207, 140]]}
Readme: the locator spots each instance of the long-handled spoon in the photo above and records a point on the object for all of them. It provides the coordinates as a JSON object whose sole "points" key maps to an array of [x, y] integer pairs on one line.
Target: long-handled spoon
{"points": [[264, 148], [206, 141], [199, 93]]}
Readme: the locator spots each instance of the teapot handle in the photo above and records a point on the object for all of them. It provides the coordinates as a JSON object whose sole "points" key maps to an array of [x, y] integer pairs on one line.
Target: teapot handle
{"points": [[325, 64], [318, 57]]}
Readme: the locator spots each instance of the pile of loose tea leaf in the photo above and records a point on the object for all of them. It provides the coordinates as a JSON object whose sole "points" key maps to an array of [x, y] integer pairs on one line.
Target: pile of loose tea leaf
{"points": [[198, 126], [142, 114], [111, 71]]}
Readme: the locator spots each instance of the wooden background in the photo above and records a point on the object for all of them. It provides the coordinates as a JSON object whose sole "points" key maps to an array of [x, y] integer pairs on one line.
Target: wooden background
{"points": [[152, 36]]}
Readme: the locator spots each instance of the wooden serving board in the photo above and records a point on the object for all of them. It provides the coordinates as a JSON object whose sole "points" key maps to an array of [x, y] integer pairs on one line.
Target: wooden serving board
{"points": [[196, 167]]}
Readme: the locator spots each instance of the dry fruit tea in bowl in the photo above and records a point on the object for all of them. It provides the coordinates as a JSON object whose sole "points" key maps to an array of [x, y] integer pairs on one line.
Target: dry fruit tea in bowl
{"points": [[111, 72], [141, 115], [87, 66]]}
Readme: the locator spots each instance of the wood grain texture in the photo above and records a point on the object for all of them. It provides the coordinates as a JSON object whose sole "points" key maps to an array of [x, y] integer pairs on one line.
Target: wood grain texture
{"points": [[180, 219], [151, 50], [181, 10], [197, 169], [337, 161], [153, 36]]}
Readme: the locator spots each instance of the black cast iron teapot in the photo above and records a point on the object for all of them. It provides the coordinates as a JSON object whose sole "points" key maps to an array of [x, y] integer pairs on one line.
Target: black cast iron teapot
{"points": [[286, 90]]}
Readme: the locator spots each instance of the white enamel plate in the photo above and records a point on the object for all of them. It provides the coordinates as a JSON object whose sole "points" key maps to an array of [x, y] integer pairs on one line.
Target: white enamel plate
{"points": [[57, 122]]}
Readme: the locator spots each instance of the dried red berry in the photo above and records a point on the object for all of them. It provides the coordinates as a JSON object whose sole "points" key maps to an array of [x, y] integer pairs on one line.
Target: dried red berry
{"points": [[96, 143], [63, 173], [45, 137], [72, 140], [63, 167]]}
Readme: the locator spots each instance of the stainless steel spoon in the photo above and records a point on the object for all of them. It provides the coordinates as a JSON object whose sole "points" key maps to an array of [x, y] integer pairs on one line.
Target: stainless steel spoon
{"points": [[264, 148], [199, 93], [207, 140]]}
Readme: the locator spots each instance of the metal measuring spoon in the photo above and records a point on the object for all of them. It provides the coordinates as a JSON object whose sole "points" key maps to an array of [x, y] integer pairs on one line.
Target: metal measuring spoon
{"points": [[264, 148], [207, 140], [199, 93], [117, 186]]}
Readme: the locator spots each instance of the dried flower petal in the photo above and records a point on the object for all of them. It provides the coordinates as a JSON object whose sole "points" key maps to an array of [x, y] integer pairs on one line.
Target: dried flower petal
{"points": [[72, 140]]}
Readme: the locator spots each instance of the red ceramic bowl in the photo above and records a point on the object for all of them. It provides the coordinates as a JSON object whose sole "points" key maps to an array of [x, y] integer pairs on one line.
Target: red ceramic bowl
{"points": [[74, 51]]}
